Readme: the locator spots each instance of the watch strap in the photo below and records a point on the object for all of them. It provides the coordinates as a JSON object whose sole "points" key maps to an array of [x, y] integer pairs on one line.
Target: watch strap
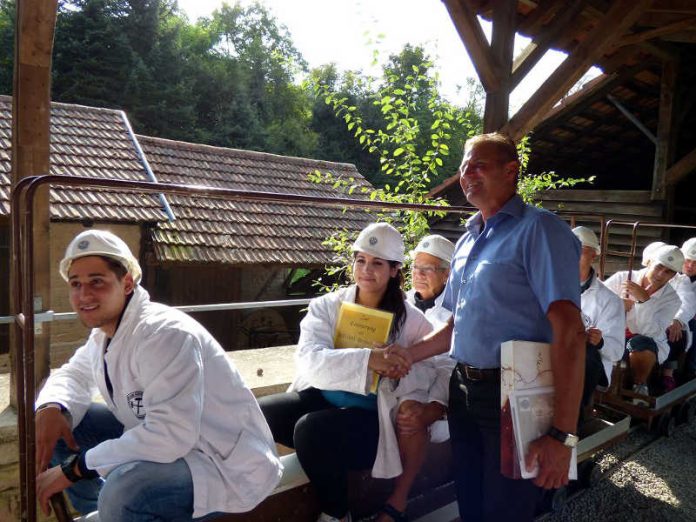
{"points": [[561, 436], [68, 468]]}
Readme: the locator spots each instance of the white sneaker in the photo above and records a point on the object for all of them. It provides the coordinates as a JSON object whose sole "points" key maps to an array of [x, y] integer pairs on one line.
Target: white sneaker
{"points": [[641, 389], [328, 518]]}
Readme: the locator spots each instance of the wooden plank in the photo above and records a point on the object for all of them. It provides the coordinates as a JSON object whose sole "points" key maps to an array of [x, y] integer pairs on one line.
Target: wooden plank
{"points": [[665, 136], [681, 168], [469, 29], [610, 210], [644, 36], [609, 196], [495, 114], [620, 17]]}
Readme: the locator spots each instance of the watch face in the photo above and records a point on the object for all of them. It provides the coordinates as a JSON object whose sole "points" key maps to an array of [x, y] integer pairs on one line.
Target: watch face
{"points": [[571, 441]]}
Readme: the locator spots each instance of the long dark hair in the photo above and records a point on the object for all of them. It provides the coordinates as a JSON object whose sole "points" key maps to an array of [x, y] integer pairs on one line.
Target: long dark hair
{"points": [[393, 301]]}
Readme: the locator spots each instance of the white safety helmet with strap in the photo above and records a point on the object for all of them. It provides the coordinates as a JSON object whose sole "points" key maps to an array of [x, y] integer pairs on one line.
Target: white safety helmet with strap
{"points": [[435, 245], [380, 240], [100, 243], [588, 238], [649, 250], [689, 249], [669, 256]]}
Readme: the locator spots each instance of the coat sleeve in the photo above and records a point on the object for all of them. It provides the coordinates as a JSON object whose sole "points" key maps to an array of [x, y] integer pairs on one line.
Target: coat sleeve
{"points": [[686, 293], [656, 314], [614, 282], [72, 385], [170, 366], [318, 363], [612, 323]]}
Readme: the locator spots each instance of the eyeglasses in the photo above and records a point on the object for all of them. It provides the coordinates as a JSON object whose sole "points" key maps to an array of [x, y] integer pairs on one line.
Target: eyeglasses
{"points": [[426, 270]]}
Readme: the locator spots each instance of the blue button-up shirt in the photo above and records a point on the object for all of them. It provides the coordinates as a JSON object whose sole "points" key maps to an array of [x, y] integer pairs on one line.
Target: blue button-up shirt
{"points": [[504, 277]]}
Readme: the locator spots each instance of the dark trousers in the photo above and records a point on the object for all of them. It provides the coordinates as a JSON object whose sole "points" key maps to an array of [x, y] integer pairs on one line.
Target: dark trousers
{"points": [[329, 441], [691, 354], [594, 373], [474, 423]]}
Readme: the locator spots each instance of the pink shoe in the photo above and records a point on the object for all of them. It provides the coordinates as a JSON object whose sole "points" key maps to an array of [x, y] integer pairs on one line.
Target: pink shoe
{"points": [[668, 383]]}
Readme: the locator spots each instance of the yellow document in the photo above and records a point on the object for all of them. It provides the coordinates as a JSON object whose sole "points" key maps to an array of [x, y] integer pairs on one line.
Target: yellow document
{"points": [[360, 327]]}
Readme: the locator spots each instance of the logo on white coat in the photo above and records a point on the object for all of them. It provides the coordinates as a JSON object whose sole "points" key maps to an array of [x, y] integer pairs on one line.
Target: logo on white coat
{"points": [[135, 401]]}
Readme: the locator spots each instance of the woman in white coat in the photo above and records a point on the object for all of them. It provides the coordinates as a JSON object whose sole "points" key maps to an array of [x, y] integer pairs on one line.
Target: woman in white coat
{"points": [[329, 415]]}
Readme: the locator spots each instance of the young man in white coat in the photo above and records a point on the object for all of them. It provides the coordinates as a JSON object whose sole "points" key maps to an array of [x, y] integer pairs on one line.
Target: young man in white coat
{"points": [[178, 436], [604, 318], [689, 270]]}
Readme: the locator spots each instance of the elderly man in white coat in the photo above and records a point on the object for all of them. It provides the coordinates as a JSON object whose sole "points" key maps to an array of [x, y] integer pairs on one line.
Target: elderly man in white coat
{"points": [[604, 318], [650, 304], [178, 435], [678, 332]]}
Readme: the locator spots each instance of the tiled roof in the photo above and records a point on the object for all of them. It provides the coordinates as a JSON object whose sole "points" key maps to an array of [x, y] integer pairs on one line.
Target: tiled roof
{"points": [[85, 142], [216, 231]]}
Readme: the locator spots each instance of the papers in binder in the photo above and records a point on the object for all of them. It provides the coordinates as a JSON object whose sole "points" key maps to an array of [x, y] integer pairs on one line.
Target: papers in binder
{"points": [[526, 383], [361, 327]]}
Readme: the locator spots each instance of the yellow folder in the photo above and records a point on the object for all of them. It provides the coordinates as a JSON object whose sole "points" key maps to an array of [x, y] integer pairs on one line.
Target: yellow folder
{"points": [[360, 327]]}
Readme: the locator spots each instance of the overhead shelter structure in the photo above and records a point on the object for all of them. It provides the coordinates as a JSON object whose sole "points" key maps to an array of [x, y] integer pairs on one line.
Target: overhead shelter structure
{"points": [[633, 127]]}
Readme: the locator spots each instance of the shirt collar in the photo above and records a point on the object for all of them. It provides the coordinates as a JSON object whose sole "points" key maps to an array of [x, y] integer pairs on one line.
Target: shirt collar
{"points": [[513, 207]]}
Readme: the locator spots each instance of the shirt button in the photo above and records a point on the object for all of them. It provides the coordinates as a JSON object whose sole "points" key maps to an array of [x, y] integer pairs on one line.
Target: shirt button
{"points": [[463, 280]]}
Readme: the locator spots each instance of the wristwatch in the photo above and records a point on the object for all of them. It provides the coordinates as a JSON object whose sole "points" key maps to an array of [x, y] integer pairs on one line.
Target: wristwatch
{"points": [[68, 468], [567, 439]]}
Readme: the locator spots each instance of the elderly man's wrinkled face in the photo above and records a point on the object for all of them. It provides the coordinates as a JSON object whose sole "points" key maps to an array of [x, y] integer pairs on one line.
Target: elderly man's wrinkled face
{"points": [[429, 275], [485, 179]]}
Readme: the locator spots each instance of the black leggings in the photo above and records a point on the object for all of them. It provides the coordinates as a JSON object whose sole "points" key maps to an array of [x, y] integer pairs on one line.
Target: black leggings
{"points": [[329, 441]]}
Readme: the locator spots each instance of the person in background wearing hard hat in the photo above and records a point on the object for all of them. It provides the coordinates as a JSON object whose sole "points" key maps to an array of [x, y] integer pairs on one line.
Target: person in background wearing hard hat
{"points": [[678, 335], [328, 414], [650, 304], [179, 435], [689, 269], [514, 276], [604, 318]]}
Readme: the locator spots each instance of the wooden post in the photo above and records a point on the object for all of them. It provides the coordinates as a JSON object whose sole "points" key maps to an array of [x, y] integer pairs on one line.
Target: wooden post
{"points": [[31, 104], [664, 149], [502, 45]]}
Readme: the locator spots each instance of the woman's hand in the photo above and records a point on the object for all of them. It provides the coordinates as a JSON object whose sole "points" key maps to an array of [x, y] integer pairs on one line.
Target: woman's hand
{"points": [[391, 365]]}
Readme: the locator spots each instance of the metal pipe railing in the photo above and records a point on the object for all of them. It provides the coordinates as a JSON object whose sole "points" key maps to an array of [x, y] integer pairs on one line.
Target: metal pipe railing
{"points": [[22, 200]]}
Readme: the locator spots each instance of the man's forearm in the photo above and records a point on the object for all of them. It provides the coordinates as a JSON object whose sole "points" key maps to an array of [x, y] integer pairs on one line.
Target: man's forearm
{"points": [[432, 344], [567, 363]]}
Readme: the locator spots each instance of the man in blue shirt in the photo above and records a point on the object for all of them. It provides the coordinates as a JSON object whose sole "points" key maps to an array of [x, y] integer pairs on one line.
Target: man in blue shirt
{"points": [[514, 277]]}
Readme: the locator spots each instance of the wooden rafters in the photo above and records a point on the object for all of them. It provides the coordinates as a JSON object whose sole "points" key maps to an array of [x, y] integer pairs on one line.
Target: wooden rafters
{"points": [[644, 36], [471, 33], [665, 135], [615, 22], [681, 168], [502, 48]]}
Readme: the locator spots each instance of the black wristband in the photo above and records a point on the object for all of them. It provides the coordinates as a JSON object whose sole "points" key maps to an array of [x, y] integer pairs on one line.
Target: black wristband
{"points": [[84, 470], [68, 468]]}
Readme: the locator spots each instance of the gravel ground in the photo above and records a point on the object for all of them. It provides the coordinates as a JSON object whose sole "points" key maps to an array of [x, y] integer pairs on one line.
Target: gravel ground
{"points": [[655, 482]]}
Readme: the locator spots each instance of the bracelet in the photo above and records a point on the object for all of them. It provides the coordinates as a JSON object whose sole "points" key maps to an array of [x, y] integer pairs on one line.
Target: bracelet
{"points": [[68, 468]]}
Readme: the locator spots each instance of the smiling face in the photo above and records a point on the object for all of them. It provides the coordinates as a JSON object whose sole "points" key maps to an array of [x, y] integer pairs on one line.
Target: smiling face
{"points": [[97, 295], [659, 275], [428, 275], [486, 180], [372, 274]]}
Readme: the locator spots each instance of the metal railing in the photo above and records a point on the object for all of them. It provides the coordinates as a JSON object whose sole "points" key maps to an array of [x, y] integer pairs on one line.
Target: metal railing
{"points": [[24, 317]]}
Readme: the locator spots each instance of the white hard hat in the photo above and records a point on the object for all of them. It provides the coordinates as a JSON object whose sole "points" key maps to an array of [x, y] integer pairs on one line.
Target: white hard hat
{"points": [[689, 249], [435, 245], [100, 243], [668, 256], [588, 238], [649, 250], [380, 240]]}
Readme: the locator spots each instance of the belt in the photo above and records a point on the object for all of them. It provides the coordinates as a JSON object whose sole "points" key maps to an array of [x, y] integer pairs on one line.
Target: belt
{"points": [[472, 373]]}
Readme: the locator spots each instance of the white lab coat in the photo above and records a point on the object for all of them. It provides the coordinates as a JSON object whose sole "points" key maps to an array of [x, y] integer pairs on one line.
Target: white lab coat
{"points": [[604, 310], [652, 317], [438, 316], [686, 290], [177, 395], [321, 366]]}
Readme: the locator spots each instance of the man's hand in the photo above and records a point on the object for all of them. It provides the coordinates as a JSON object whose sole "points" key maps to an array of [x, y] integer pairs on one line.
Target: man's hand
{"points": [[48, 483], [635, 291], [674, 331], [594, 335], [553, 459], [628, 304], [51, 425], [390, 365]]}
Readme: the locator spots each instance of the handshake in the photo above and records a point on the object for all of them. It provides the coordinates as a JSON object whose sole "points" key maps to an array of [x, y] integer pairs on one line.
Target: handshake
{"points": [[392, 360]]}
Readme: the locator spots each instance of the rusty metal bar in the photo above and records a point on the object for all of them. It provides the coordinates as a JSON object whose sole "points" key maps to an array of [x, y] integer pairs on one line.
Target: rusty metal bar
{"points": [[23, 287]]}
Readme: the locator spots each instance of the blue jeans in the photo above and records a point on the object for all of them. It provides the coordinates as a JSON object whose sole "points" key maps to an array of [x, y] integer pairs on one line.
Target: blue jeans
{"points": [[137, 491]]}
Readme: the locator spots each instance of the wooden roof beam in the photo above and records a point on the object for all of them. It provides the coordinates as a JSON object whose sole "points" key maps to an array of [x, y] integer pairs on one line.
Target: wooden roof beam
{"points": [[471, 33], [621, 16], [644, 36], [531, 55], [502, 47], [681, 168], [666, 137]]}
